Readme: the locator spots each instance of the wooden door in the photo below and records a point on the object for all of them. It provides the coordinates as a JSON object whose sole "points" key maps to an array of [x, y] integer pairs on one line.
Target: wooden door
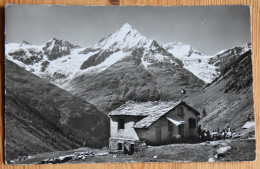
{"points": [[181, 130], [131, 149], [158, 134]]}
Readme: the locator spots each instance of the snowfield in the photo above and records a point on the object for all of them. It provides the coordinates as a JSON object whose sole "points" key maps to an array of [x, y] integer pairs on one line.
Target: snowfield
{"points": [[68, 58], [193, 61]]}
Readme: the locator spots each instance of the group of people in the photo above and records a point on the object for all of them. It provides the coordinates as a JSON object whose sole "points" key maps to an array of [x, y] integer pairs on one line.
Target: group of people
{"points": [[216, 134]]}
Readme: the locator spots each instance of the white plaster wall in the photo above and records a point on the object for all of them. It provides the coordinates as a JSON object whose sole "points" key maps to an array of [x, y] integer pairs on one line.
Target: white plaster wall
{"points": [[150, 134], [166, 136], [187, 114], [128, 132]]}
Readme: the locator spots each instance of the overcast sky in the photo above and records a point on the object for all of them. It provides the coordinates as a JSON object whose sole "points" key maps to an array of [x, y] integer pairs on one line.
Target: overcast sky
{"points": [[207, 28]]}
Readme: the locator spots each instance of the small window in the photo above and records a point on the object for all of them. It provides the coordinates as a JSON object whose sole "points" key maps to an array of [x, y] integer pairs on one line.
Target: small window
{"points": [[170, 126], [121, 123], [120, 146], [192, 123], [180, 112]]}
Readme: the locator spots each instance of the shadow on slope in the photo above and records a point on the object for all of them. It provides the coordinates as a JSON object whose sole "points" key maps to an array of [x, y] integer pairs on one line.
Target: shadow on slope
{"points": [[228, 100], [41, 117]]}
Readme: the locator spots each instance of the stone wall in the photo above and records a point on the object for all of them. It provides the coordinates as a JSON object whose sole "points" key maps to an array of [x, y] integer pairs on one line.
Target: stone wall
{"points": [[126, 145]]}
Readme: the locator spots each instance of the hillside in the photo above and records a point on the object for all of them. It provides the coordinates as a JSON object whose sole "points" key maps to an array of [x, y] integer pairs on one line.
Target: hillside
{"points": [[41, 117], [225, 58], [123, 66], [128, 66], [228, 100]]}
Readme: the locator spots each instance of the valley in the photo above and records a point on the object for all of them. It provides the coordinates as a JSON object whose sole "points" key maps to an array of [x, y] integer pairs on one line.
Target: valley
{"points": [[59, 94]]}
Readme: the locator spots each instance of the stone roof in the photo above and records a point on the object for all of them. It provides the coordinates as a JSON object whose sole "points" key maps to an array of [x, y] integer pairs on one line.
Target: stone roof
{"points": [[144, 108], [151, 111]]}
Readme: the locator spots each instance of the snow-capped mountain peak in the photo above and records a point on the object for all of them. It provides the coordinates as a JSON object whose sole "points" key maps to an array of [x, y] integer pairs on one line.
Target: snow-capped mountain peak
{"points": [[24, 43], [126, 30], [60, 61], [57, 42], [181, 50], [125, 37], [56, 48], [193, 60], [126, 26]]}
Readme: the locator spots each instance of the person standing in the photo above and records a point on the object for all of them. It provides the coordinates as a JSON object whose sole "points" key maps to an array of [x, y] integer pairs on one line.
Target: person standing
{"points": [[199, 130], [208, 136], [228, 129]]}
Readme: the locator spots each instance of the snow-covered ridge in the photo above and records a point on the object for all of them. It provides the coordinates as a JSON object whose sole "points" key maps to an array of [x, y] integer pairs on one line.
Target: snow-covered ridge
{"points": [[60, 61], [203, 66], [181, 50], [125, 37], [193, 60], [244, 48]]}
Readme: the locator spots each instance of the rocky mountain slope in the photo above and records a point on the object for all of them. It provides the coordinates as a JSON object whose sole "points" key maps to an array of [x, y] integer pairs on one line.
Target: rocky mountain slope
{"points": [[59, 60], [228, 100], [43, 60], [41, 117], [130, 67], [227, 57], [124, 66]]}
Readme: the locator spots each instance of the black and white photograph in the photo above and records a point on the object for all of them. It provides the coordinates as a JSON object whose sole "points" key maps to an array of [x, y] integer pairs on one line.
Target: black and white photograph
{"points": [[127, 84]]}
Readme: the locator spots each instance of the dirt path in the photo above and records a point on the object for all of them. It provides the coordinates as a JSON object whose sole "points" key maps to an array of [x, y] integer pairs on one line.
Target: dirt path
{"points": [[222, 150]]}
